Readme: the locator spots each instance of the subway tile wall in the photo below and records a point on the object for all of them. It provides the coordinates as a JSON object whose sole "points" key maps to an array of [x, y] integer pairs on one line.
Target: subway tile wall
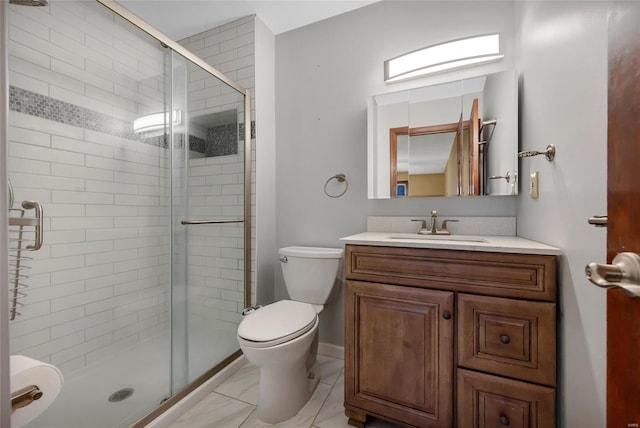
{"points": [[230, 48], [101, 281]]}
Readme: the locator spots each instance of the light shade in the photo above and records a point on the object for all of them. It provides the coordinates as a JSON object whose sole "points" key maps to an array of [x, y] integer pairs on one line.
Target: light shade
{"points": [[155, 121], [444, 56]]}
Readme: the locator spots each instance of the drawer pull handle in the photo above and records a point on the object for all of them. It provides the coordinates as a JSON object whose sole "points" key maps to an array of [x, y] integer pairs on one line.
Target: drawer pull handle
{"points": [[446, 315], [505, 339], [504, 420]]}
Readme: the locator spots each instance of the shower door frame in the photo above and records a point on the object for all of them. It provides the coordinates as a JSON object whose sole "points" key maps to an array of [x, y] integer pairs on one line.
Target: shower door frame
{"points": [[118, 9], [176, 47], [5, 392]]}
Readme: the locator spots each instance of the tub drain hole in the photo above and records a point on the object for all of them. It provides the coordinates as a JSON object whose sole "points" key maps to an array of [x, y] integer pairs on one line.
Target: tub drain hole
{"points": [[121, 394]]}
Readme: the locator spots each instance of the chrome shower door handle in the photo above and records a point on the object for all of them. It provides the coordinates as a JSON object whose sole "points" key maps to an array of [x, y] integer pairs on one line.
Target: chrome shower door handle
{"points": [[38, 217], [624, 273], [187, 222]]}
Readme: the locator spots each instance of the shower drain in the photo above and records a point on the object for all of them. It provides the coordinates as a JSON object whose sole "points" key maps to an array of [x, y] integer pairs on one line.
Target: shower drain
{"points": [[121, 394]]}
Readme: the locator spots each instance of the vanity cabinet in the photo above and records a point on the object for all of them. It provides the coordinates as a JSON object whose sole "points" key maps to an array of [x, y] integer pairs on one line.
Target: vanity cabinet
{"points": [[450, 338]]}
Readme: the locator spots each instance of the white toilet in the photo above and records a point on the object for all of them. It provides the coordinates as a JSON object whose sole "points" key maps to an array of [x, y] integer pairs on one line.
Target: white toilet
{"points": [[282, 338]]}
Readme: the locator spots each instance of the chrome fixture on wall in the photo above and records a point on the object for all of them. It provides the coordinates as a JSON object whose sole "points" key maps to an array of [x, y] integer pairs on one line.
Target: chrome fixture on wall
{"points": [[19, 242], [10, 192], [507, 177], [340, 178], [549, 153]]}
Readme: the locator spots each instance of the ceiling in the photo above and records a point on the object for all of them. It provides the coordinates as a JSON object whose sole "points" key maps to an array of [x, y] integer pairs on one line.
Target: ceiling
{"points": [[182, 18]]}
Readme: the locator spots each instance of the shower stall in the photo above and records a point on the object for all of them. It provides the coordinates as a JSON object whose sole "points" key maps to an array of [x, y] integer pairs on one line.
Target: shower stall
{"points": [[139, 155]]}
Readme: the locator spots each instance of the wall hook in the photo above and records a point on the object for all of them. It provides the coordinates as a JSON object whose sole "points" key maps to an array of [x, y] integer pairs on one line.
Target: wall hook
{"points": [[550, 153]]}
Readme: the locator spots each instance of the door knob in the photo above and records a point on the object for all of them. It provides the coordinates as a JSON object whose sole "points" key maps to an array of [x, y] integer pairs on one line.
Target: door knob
{"points": [[624, 273]]}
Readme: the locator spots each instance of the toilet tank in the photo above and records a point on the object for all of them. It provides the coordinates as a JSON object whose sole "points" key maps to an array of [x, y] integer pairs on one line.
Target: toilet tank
{"points": [[310, 272]]}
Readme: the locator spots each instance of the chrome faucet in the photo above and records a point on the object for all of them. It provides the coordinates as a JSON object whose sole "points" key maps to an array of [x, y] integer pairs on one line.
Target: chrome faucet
{"points": [[434, 222], [433, 229]]}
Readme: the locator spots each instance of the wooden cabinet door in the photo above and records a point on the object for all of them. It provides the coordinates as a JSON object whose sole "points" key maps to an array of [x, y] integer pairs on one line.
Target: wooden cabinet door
{"points": [[399, 353], [486, 401]]}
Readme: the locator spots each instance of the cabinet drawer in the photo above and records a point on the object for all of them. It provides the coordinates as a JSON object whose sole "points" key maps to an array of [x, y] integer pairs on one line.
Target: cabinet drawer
{"points": [[508, 337], [522, 276], [486, 401]]}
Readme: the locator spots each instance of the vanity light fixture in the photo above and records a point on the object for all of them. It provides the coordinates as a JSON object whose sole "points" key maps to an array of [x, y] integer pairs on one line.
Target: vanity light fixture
{"points": [[444, 56], [156, 121]]}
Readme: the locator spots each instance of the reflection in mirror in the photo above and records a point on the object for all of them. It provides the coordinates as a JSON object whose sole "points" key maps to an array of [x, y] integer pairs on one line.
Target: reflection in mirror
{"points": [[449, 139], [433, 151]]}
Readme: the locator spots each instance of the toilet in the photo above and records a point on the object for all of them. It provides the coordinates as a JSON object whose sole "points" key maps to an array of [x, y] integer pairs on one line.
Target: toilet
{"points": [[282, 338]]}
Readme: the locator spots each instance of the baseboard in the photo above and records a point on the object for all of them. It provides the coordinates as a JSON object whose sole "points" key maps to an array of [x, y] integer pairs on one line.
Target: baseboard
{"points": [[331, 350], [167, 418]]}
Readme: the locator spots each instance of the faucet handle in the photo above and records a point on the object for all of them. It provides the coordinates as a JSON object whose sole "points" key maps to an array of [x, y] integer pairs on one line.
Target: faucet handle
{"points": [[444, 223], [434, 213], [424, 223]]}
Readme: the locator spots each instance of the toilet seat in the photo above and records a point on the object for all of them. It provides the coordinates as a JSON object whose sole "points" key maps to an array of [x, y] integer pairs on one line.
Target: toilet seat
{"points": [[277, 323]]}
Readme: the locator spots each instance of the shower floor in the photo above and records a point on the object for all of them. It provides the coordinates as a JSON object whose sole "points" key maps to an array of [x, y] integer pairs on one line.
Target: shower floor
{"points": [[83, 401]]}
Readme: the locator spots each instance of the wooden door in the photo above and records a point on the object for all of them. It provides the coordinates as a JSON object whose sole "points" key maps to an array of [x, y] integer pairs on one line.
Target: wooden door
{"points": [[399, 354], [623, 199], [474, 150], [460, 148]]}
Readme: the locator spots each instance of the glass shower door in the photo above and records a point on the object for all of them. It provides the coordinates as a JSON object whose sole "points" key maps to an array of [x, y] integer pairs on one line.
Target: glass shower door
{"points": [[208, 220], [122, 140], [86, 88]]}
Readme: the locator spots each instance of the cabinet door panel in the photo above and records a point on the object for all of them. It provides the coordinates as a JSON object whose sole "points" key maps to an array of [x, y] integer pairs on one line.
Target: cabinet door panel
{"points": [[406, 331], [486, 401], [399, 353]]}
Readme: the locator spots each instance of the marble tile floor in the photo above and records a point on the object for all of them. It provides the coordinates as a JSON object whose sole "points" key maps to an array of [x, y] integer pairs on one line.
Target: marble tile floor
{"points": [[233, 403]]}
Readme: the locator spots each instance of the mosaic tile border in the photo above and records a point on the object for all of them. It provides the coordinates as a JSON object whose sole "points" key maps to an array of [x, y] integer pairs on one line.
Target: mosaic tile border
{"points": [[38, 105]]}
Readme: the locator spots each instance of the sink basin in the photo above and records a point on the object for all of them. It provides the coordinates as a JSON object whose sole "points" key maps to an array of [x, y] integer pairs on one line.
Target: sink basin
{"points": [[415, 236]]}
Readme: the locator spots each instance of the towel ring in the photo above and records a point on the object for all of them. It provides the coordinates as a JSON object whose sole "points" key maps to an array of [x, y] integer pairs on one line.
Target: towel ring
{"points": [[341, 178]]}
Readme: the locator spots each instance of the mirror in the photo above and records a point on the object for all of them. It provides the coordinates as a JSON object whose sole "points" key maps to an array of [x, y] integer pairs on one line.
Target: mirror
{"points": [[458, 138]]}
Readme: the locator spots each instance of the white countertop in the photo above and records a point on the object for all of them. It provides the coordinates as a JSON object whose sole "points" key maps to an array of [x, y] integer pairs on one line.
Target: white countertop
{"points": [[495, 244]]}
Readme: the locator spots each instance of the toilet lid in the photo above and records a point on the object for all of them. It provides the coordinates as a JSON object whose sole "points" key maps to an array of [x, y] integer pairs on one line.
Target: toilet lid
{"points": [[278, 320]]}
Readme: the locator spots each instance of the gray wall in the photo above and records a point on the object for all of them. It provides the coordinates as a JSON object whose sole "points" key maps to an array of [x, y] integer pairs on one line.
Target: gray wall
{"points": [[325, 72], [563, 64], [263, 239]]}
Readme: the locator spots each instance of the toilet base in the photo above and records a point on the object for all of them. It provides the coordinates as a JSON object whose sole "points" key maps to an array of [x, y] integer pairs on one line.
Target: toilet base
{"points": [[289, 374], [284, 392]]}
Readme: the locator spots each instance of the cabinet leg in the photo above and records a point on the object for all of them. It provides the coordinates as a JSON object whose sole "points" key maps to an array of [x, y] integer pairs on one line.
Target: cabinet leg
{"points": [[356, 419]]}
